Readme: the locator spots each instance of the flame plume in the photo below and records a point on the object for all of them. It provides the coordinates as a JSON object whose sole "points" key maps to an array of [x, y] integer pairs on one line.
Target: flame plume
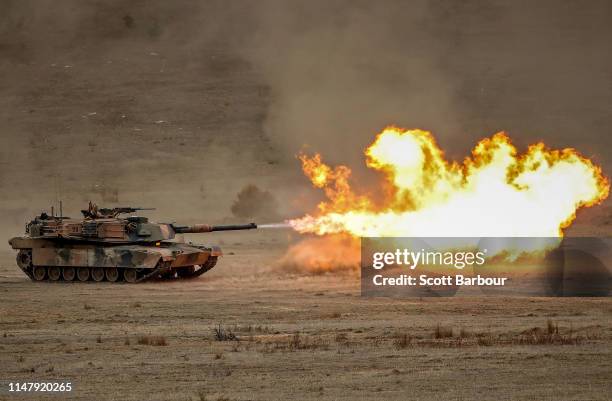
{"points": [[495, 192]]}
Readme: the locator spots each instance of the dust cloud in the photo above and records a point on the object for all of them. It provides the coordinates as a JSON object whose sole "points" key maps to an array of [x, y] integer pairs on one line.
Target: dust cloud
{"points": [[321, 255], [253, 203], [341, 71], [179, 105]]}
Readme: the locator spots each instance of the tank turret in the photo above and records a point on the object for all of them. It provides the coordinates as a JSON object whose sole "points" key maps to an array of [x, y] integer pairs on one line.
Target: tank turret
{"points": [[105, 245], [107, 225]]}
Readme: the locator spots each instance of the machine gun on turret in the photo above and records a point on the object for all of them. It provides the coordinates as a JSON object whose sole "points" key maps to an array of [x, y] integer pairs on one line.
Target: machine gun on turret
{"points": [[93, 212]]}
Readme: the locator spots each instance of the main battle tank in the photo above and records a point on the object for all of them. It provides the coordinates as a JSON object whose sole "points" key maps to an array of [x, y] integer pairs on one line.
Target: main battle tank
{"points": [[105, 245]]}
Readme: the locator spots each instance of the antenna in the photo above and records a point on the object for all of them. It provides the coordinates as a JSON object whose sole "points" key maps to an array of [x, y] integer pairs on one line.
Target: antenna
{"points": [[58, 193]]}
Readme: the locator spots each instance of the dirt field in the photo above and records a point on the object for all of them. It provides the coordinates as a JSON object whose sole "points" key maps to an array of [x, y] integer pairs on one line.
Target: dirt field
{"points": [[298, 337], [180, 105]]}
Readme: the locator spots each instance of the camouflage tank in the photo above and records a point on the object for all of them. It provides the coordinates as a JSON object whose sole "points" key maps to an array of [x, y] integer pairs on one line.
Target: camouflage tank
{"points": [[105, 245]]}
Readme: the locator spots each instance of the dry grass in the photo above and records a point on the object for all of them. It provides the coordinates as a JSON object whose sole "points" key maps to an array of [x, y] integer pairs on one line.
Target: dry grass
{"points": [[465, 333], [159, 341], [442, 337], [249, 328], [202, 396], [442, 332], [301, 342], [550, 336], [341, 338], [402, 340], [486, 340], [295, 342], [374, 343], [223, 334]]}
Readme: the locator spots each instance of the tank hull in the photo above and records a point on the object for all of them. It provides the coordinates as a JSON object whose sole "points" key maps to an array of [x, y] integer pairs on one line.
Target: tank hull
{"points": [[52, 260]]}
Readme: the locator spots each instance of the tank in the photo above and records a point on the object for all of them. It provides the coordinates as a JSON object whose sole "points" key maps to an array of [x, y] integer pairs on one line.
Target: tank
{"points": [[107, 245]]}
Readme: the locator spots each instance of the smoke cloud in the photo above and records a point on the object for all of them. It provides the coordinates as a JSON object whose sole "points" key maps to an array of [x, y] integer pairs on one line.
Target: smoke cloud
{"points": [[181, 104]]}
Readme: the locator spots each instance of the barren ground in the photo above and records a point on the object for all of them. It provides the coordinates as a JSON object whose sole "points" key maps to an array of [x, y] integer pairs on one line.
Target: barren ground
{"points": [[347, 347]]}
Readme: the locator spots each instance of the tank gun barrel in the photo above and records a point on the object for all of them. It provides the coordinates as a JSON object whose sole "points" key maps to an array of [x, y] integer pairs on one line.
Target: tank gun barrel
{"points": [[123, 210], [205, 228], [233, 227]]}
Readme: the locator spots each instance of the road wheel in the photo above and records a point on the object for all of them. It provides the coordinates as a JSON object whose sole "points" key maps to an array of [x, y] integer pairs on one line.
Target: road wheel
{"points": [[83, 273], [169, 275], [129, 275], [97, 273], [68, 273], [112, 274], [54, 273], [24, 259], [39, 273]]}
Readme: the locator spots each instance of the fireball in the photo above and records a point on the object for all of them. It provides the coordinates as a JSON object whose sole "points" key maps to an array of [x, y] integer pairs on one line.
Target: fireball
{"points": [[494, 192]]}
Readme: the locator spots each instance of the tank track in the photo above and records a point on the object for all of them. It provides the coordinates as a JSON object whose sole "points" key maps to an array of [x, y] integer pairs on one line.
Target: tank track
{"points": [[111, 274], [191, 272]]}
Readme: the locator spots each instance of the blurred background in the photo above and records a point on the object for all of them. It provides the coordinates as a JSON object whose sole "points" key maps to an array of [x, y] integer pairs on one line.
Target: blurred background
{"points": [[198, 108]]}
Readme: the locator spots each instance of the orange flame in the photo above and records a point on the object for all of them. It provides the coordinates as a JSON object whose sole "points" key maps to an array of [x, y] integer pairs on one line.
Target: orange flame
{"points": [[495, 192]]}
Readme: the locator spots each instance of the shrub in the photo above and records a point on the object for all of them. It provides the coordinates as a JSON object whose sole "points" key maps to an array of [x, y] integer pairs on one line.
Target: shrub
{"points": [[153, 340]]}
